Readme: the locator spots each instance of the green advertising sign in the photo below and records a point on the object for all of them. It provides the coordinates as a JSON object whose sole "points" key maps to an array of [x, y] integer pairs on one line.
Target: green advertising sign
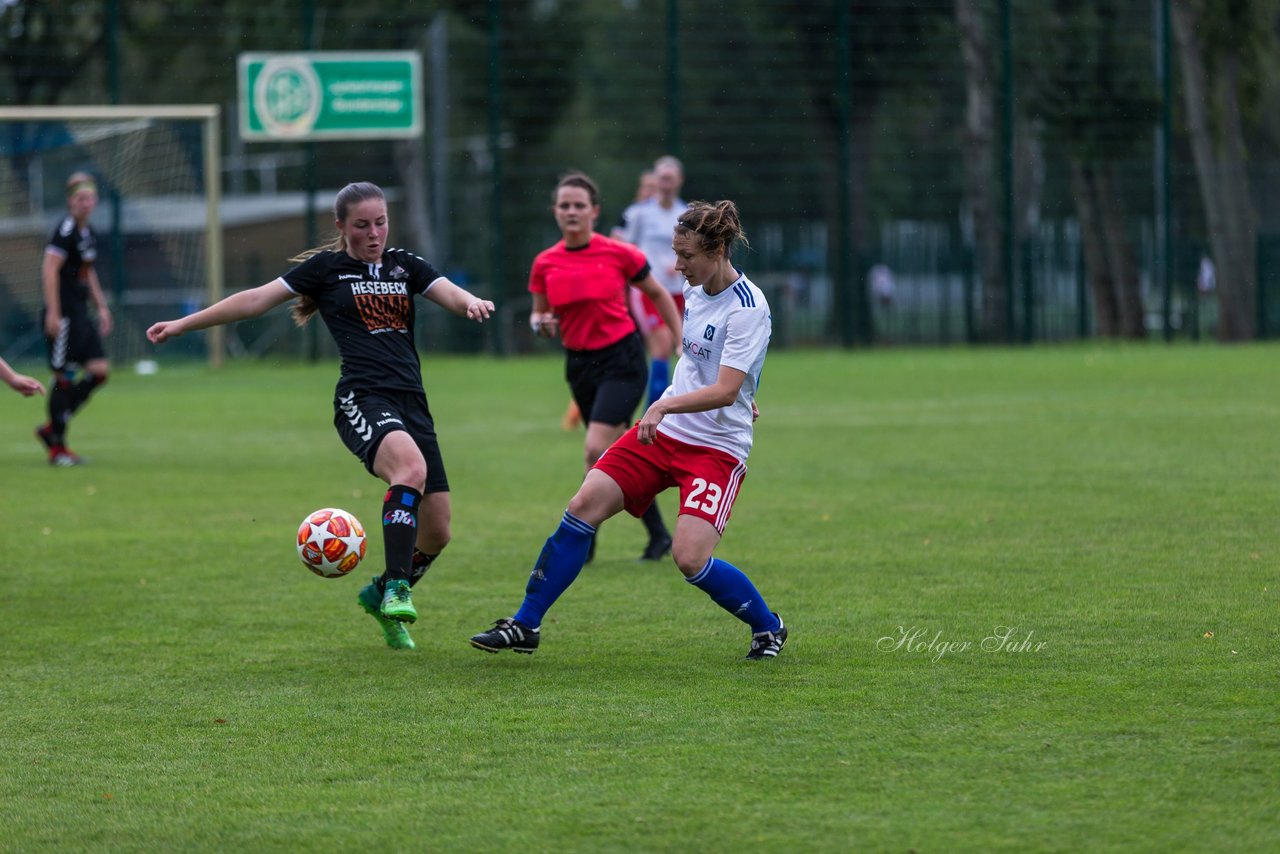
{"points": [[330, 95]]}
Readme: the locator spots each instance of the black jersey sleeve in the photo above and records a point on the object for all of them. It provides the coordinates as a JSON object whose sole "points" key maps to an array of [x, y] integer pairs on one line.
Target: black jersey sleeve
{"points": [[63, 239], [308, 277], [421, 273]]}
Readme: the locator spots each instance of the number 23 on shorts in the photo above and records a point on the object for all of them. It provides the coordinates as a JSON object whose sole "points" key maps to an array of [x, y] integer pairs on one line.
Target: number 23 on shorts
{"points": [[712, 499], [704, 496]]}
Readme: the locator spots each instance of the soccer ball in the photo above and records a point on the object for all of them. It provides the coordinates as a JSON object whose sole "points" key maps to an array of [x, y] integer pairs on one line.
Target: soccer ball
{"points": [[331, 542]]}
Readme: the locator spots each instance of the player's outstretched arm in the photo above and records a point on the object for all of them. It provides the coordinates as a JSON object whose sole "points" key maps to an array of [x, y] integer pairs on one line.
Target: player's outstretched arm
{"points": [[460, 301], [238, 306]]}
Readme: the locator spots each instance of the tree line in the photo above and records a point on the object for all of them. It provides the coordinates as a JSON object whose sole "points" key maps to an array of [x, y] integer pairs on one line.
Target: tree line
{"points": [[982, 114]]}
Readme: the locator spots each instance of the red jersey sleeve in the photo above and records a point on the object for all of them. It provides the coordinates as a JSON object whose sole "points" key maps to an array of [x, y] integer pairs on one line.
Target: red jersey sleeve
{"points": [[538, 274], [634, 263]]}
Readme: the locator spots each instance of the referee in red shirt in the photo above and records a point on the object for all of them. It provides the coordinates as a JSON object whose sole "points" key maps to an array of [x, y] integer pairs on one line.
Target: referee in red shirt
{"points": [[579, 289]]}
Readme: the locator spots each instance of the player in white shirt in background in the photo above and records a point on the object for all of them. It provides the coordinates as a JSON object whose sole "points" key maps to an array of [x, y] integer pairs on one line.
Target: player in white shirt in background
{"points": [[649, 225], [696, 437]]}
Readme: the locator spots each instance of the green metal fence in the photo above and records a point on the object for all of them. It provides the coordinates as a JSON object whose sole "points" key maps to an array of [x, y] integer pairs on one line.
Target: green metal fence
{"points": [[842, 130]]}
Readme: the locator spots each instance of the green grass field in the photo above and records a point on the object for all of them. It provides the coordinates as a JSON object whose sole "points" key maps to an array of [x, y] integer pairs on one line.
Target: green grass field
{"points": [[173, 679]]}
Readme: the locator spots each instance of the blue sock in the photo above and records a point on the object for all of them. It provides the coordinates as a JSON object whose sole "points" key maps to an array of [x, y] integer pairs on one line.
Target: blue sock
{"points": [[559, 564], [730, 588], [659, 379]]}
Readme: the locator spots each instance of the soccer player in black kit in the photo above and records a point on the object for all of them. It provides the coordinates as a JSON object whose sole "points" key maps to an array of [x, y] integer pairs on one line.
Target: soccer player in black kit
{"points": [[364, 291], [69, 281]]}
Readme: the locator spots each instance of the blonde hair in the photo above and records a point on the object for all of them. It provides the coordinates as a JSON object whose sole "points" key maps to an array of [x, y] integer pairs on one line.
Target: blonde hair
{"points": [[78, 181], [352, 194]]}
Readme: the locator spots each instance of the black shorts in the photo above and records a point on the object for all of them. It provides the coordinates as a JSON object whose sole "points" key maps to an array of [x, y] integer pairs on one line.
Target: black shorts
{"points": [[364, 418], [77, 342], [608, 383]]}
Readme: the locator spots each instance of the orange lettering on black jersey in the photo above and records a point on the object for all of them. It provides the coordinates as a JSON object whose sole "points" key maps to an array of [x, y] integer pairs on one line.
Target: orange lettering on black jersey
{"points": [[381, 312]]}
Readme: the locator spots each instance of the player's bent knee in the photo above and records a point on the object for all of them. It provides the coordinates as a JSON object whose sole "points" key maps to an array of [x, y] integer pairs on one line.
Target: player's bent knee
{"points": [[409, 475], [579, 505], [689, 561]]}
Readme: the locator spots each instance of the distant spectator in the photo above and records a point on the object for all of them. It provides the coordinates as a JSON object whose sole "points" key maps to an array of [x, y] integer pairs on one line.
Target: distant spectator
{"points": [[881, 278], [1206, 276]]}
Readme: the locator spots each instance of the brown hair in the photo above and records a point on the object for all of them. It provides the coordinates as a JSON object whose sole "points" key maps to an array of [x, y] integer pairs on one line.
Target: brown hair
{"points": [[352, 194], [717, 223], [580, 180]]}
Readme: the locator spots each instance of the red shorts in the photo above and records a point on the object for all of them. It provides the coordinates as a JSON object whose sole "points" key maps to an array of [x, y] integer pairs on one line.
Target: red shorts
{"points": [[708, 478], [647, 313]]}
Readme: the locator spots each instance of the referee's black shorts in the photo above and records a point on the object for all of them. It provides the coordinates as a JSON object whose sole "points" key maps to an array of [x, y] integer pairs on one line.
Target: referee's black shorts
{"points": [[364, 418], [608, 383]]}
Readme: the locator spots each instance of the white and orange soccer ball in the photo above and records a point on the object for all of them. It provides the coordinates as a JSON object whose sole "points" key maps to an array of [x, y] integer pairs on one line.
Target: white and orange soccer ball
{"points": [[331, 542]]}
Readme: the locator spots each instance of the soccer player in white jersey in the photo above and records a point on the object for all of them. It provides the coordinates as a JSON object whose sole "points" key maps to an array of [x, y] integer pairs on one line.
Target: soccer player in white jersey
{"points": [[649, 226], [695, 437]]}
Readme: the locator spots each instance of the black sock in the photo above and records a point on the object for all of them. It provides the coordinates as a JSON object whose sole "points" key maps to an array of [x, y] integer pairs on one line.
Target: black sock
{"points": [[652, 519], [61, 399], [80, 393], [421, 563], [399, 530]]}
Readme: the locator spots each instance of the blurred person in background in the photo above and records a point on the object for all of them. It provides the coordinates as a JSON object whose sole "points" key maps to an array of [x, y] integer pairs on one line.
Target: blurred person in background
{"points": [[580, 287], [649, 226], [646, 188], [70, 283]]}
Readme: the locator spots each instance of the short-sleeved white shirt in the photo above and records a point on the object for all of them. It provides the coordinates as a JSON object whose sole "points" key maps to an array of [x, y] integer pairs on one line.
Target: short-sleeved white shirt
{"points": [[731, 328], [651, 226]]}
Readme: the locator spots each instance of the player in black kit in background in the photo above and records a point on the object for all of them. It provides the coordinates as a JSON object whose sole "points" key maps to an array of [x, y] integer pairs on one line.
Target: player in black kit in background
{"points": [[69, 282], [364, 292]]}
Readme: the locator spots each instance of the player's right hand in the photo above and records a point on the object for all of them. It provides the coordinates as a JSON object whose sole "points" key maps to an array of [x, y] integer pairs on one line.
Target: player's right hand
{"points": [[52, 322], [25, 385], [162, 331]]}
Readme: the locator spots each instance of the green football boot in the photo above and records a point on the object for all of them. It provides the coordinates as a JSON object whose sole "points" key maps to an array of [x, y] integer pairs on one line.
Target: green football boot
{"points": [[397, 603], [397, 636]]}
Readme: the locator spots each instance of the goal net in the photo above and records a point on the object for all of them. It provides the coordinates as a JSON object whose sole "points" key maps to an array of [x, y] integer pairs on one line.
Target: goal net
{"points": [[157, 221]]}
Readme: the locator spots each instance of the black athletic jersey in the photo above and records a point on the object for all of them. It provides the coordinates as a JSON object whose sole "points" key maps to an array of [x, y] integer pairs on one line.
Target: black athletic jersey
{"points": [[369, 311], [78, 249]]}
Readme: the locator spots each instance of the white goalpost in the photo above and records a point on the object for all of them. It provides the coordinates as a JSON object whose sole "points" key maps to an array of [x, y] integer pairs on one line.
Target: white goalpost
{"points": [[158, 221]]}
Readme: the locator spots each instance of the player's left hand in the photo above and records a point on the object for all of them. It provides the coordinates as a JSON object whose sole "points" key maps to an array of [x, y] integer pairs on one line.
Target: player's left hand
{"points": [[105, 322], [480, 310], [755, 412]]}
